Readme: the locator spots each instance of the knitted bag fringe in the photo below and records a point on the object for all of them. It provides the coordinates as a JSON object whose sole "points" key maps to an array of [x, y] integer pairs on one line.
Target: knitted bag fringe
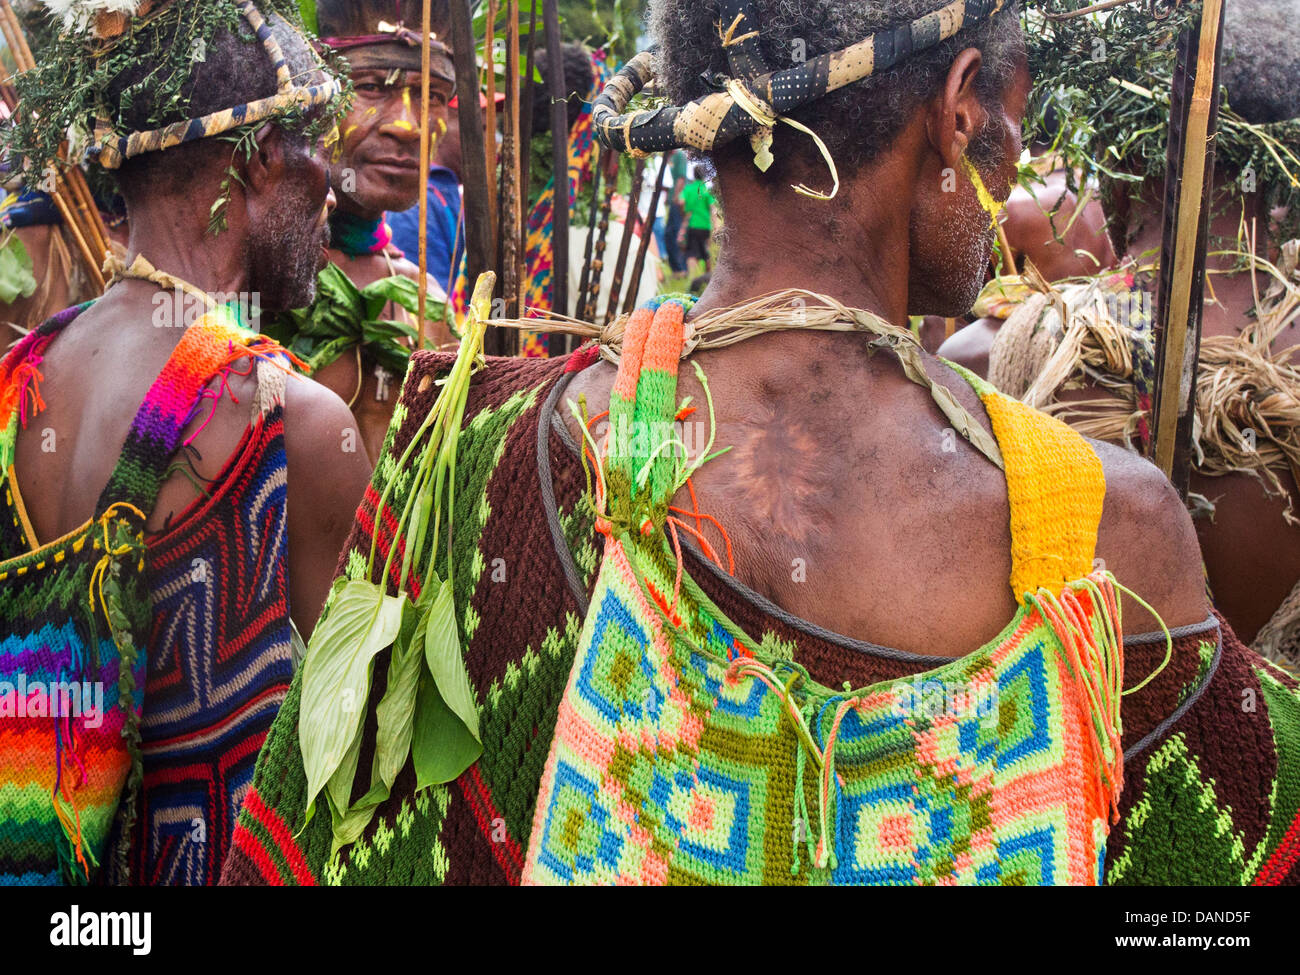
{"points": [[686, 753], [76, 613]]}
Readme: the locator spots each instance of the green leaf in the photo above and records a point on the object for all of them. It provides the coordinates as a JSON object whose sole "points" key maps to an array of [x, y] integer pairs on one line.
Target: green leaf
{"points": [[16, 277], [336, 677], [338, 790], [446, 740], [442, 651], [396, 711], [441, 746], [387, 329], [308, 10], [398, 289]]}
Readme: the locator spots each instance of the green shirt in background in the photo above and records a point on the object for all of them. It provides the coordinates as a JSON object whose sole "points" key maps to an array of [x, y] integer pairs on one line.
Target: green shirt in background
{"points": [[698, 202]]}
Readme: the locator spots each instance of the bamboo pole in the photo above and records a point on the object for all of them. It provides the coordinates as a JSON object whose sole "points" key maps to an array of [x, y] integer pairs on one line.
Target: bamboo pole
{"points": [[511, 211], [70, 192], [490, 121], [93, 267], [559, 159], [624, 247], [1171, 402], [647, 232], [13, 32]]}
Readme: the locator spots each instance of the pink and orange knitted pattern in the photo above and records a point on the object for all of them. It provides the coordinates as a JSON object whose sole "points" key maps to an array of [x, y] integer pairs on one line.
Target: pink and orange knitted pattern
{"points": [[684, 753]]}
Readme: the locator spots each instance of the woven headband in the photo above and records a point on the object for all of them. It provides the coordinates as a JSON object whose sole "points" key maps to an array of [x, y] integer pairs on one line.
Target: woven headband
{"points": [[111, 150], [402, 45], [755, 98], [397, 33]]}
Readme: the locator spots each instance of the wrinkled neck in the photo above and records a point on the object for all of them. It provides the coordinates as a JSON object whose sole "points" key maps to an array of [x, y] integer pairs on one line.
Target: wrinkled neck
{"points": [[853, 248]]}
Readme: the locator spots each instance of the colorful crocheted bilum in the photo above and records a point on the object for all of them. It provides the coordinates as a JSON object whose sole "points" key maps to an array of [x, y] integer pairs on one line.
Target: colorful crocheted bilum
{"points": [[75, 614], [699, 761], [77, 618], [685, 753]]}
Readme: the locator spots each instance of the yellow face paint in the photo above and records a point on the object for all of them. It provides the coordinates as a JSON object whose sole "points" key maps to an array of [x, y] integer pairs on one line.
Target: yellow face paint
{"points": [[990, 206], [332, 144], [403, 123]]}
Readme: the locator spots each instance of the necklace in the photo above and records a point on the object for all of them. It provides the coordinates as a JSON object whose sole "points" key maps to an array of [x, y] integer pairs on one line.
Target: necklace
{"points": [[358, 236], [142, 269], [784, 311]]}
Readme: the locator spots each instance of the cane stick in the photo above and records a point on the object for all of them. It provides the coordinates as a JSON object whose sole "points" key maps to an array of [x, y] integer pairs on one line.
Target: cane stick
{"points": [[1182, 322], [425, 27], [647, 232], [598, 258], [624, 247], [580, 312]]}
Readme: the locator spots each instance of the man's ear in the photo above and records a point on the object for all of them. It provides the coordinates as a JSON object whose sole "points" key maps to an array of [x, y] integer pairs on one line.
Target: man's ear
{"points": [[956, 113], [266, 166]]}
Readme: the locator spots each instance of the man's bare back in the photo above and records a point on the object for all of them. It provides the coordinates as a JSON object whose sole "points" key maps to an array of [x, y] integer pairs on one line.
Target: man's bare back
{"points": [[97, 372], [850, 502]]}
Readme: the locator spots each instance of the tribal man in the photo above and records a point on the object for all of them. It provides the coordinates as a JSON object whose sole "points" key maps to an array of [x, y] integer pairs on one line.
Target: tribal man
{"points": [[1246, 452], [620, 691], [214, 531], [374, 168]]}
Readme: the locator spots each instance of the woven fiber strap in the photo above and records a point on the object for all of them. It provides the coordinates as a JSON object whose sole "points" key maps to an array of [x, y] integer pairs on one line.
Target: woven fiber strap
{"points": [[1056, 488]]}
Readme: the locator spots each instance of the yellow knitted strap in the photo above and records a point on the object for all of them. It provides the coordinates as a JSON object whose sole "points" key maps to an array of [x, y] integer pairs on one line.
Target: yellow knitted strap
{"points": [[1056, 488]]}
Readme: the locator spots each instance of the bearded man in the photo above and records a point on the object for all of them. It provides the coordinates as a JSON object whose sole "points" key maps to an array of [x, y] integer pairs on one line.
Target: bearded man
{"points": [[375, 168], [205, 456], [796, 699]]}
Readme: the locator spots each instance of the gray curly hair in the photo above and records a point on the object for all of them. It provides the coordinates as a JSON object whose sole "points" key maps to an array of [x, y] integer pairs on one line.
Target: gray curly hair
{"points": [[1261, 59], [857, 123]]}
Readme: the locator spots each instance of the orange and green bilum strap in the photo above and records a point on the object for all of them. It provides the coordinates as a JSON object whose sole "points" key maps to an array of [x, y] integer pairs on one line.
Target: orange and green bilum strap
{"points": [[640, 466]]}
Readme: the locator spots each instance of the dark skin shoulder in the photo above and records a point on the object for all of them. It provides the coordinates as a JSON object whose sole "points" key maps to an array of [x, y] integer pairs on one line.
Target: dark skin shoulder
{"points": [[850, 502], [328, 473], [1046, 224], [76, 441]]}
